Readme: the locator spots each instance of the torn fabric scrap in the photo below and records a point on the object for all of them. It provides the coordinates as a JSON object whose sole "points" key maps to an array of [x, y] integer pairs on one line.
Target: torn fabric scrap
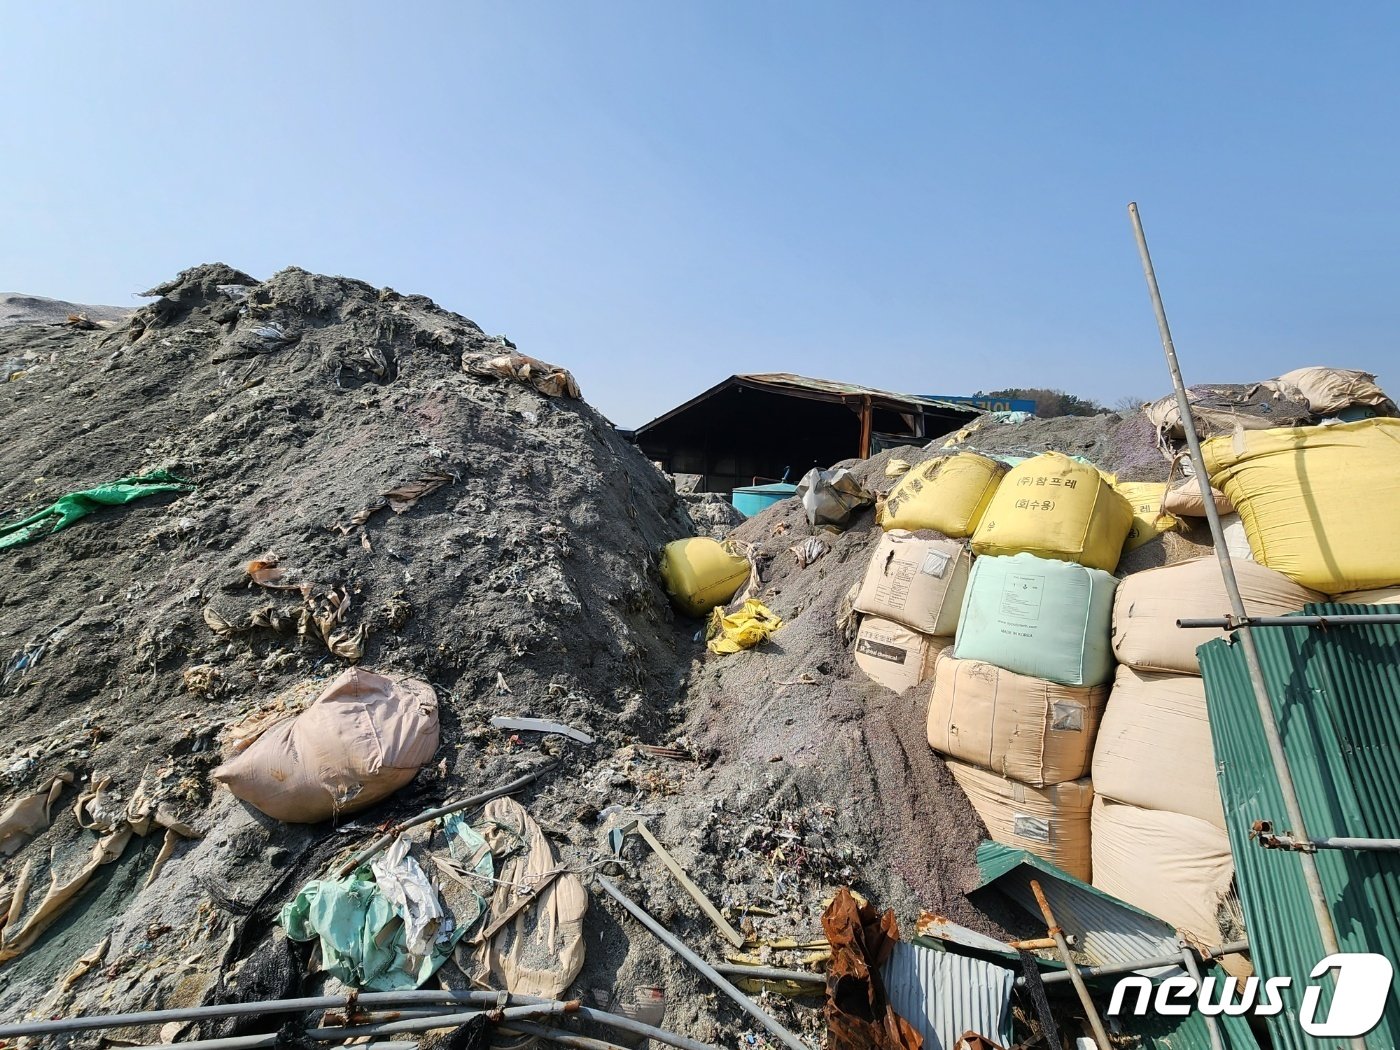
{"points": [[744, 629]]}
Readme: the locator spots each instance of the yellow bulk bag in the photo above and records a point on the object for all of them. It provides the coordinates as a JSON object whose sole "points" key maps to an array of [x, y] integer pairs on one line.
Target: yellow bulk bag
{"points": [[1150, 519], [1319, 504], [1051, 822], [1379, 596], [948, 494], [1029, 729], [701, 573], [1056, 507]]}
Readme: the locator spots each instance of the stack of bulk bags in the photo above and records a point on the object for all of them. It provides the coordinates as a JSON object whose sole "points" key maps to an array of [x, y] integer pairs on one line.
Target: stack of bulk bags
{"points": [[909, 600], [1159, 839], [1318, 504], [948, 495], [1017, 704], [1056, 507]]}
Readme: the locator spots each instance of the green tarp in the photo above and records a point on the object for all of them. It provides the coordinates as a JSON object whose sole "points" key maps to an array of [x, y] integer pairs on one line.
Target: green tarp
{"points": [[75, 505]]}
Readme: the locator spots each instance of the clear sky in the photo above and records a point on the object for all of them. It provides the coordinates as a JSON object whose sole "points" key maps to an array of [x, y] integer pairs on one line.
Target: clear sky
{"points": [[927, 197]]}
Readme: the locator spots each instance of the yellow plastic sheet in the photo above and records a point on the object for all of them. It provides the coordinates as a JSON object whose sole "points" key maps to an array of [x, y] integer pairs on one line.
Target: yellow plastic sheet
{"points": [[741, 630]]}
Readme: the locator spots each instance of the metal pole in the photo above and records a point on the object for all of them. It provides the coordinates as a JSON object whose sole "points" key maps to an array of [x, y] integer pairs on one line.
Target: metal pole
{"points": [[768, 973], [1058, 977], [448, 1020], [442, 811], [1325, 928], [555, 1035], [669, 939], [1231, 623], [330, 1002], [1095, 1022], [1188, 959]]}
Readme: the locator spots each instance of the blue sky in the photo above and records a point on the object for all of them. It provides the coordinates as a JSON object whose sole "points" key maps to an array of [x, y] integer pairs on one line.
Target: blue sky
{"points": [[927, 197]]}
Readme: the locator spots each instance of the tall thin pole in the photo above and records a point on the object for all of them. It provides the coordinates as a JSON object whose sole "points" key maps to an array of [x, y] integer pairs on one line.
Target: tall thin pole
{"points": [[1325, 927]]}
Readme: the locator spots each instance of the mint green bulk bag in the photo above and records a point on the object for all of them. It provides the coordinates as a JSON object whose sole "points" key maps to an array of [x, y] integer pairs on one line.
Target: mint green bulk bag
{"points": [[1033, 616]]}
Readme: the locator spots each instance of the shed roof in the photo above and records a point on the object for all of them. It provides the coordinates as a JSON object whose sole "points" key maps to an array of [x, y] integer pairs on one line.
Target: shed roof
{"points": [[819, 389]]}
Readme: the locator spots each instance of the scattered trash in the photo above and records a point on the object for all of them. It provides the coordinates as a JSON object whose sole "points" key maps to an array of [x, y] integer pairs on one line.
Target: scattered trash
{"points": [[808, 551], [859, 1014], [831, 497], [540, 725], [549, 380], [76, 505], [29, 814], [733, 632]]}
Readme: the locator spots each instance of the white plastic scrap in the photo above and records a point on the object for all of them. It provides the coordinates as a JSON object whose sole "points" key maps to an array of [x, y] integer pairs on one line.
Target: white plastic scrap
{"points": [[413, 897]]}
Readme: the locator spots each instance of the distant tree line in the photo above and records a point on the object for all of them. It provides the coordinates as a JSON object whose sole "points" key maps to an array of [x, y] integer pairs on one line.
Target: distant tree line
{"points": [[1051, 402]]}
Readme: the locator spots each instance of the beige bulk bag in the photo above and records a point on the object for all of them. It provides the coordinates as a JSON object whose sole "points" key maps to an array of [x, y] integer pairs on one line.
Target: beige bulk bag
{"points": [[1056, 507], [1331, 390], [916, 582], [894, 656], [1379, 596], [701, 573], [1051, 822], [1172, 866], [1319, 504], [1147, 605], [1028, 729], [948, 494], [1154, 748], [1185, 501], [360, 740]]}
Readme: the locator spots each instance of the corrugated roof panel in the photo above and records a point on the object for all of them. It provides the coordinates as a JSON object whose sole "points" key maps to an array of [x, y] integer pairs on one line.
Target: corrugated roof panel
{"points": [[1109, 930], [944, 995], [1336, 697], [832, 386]]}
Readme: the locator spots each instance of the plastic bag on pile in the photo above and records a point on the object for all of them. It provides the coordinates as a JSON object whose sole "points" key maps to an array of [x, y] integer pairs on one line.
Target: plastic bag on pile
{"points": [[75, 505], [353, 919], [1221, 408], [1333, 390], [365, 736], [741, 630], [832, 497]]}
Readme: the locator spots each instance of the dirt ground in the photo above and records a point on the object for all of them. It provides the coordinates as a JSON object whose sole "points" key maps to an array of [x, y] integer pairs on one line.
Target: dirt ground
{"points": [[525, 584]]}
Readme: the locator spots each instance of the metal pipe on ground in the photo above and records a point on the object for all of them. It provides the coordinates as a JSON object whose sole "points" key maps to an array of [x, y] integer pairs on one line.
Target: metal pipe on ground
{"points": [[557, 1035], [769, 973], [1232, 623], [1095, 1022], [671, 941], [1108, 970], [1326, 929], [481, 799], [1188, 960], [443, 1020], [328, 1002]]}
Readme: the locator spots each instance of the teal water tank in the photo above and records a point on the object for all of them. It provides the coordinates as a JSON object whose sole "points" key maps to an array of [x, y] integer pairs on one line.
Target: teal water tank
{"points": [[751, 499]]}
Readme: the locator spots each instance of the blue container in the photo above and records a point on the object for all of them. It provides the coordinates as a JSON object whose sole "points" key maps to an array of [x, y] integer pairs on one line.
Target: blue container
{"points": [[751, 499]]}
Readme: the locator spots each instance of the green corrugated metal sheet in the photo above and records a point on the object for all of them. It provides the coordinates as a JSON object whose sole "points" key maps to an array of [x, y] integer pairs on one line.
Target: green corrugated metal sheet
{"points": [[1336, 697]]}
